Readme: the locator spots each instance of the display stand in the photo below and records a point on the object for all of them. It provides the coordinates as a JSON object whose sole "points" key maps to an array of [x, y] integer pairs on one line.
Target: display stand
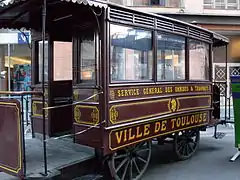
{"points": [[235, 84]]}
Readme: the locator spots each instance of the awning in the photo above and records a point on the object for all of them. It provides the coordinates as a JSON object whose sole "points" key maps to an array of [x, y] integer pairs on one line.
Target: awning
{"points": [[16, 13]]}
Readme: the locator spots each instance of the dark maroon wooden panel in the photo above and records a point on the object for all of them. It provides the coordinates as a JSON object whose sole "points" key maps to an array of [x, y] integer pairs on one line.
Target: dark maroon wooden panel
{"points": [[10, 138]]}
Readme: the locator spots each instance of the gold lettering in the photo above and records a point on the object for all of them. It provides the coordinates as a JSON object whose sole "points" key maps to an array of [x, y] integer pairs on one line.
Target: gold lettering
{"points": [[137, 93], [200, 118], [173, 122], [196, 118], [138, 134], [204, 117], [119, 93], [122, 92], [119, 136], [131, 136], [201, 88], [146, 130], [184, 120], [153, 90], [128, 92], [164, 125], [168, 89], [188, 120], [125, 135], [178, 122], [157, 127], [192, 119], [182, 89]]}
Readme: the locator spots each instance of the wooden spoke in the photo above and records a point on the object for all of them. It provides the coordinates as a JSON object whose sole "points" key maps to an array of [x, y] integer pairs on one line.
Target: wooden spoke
{"points": [[131, 163], [185, 143]]}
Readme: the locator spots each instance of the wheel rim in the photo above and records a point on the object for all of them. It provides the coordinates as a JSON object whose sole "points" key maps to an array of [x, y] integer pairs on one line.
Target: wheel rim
{"points": [[131, 162], [186, 143]]}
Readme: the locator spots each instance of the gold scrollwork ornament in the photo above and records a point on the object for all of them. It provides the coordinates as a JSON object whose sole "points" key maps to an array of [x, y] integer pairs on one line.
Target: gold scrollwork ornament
{"points": [[95, 116], [77, 114], [112, 95], [173, 105], [113, 114]]}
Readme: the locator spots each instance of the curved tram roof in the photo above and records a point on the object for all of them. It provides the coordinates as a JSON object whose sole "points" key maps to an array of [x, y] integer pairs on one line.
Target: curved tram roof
{"points": [[15, 14]]}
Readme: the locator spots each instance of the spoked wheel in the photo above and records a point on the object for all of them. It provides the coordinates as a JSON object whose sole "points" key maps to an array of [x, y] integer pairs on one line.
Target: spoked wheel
{"points": [[131, 162], [185, 143]]}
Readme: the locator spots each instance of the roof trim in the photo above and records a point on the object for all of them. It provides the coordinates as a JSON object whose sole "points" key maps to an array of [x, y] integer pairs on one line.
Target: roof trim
{"points": [[84, 2], [89, 2]]}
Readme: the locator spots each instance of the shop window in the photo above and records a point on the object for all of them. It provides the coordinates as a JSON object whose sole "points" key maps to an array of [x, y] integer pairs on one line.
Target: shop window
{"points": [[40, 61], [131, 54], [170, 57], [198, 60]]}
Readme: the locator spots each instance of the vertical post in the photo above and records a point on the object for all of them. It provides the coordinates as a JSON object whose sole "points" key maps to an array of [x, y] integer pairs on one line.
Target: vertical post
{"points": [[23, 135], [226, 84], [44, 9], [9, 70]]}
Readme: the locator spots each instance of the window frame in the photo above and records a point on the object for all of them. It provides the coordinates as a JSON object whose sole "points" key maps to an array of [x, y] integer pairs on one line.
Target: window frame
{"points": [[109, 55], [154, 70], [37, 61], [209, 62], [77, 81], [185, 57]]}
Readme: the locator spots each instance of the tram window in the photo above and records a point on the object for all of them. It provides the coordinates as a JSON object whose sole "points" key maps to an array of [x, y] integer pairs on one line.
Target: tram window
{"points": [[131, 54], [198, 60], [88, 60], [40, 61], [62, 59], [170, 57]]}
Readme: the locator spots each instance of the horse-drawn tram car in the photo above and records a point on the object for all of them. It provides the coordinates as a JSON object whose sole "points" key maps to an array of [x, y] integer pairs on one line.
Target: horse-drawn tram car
{"points": [[110, 79]]}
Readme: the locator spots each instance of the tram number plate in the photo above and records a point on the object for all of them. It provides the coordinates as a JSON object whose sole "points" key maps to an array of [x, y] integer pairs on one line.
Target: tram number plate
{"points": [[128, 135]]}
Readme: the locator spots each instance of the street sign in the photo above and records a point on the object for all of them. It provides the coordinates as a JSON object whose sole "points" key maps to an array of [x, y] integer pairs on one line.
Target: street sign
{"points": [[23, 37], [235, 84]]}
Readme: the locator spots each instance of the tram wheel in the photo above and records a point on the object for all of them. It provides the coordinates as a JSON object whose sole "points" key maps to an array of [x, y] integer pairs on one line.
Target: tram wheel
{"points": [[185, 143], [131, 162]]}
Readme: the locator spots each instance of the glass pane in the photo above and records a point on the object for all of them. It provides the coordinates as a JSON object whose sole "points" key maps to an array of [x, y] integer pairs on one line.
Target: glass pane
{"points": [[62, 59], [117, 1], [198, 60], [170, 57], [166, 3], [40, 61], [174, 3], [232, 1], [156, 2], [88, 61], [131, 54], [140, 2]]}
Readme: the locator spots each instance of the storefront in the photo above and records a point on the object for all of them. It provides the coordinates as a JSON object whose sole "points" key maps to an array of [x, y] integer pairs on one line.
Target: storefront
{"points": [[15, 60]]}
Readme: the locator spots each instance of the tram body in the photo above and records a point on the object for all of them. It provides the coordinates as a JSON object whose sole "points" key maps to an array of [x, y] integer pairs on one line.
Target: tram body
{"points": [[150, 77]]}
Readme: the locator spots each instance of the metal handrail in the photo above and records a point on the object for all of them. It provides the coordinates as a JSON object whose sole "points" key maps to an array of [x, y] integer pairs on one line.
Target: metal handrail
{"points": [[21, 92]]}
